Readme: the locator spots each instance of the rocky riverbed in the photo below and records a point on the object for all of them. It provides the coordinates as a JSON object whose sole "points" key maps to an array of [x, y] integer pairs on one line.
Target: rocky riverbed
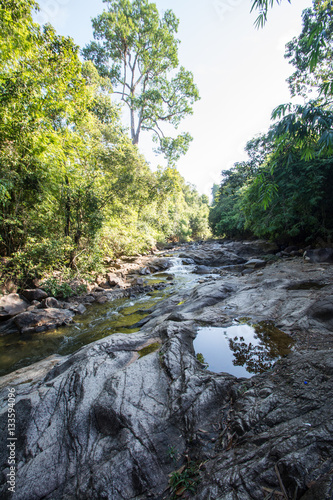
{"points": [[136, 416]]}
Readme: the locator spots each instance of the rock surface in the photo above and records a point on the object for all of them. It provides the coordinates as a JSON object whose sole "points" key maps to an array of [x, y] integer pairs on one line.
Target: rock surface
{"points": [[11, 305], [34, 294], [110, 423], [40, 320], [319, 255]]}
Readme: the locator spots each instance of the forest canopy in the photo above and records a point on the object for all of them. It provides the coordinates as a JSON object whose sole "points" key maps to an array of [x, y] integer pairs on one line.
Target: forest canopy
{"points": [[73, 188], [284, 190]]}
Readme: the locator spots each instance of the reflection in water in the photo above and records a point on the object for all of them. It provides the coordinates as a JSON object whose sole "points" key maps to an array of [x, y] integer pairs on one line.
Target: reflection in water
{"points": [[242, 349]]}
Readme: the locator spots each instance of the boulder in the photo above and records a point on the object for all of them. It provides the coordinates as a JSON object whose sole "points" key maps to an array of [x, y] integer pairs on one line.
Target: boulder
{"points": [[40, 320], [11, 305], [114, 280], [34, 294], [75, 307], [188, 262], [50, 302], [319, 255], [144, 270], [202, 270], [161, 264], [322, 310], [255, 263]]}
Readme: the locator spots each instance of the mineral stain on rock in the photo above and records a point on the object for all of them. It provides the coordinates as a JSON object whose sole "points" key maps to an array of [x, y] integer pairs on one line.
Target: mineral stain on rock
{"points": [[242, 350]]}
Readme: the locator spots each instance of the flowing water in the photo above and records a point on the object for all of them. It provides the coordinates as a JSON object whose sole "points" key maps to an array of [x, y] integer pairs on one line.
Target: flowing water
{"points": [[99, 321]]}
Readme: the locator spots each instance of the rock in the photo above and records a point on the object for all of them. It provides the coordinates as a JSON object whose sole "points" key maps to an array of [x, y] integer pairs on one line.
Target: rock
{"points": [[161, 264], [278, 423], [42, 319], [255, 263], [8, 327], [291, 249], [144, 270], [81, 309], [322, 310], [50, 302], [212, 255], [102, 299], [202, 270], [11, 305], [75, 307], [139, 281], [114, 280], [188, 262], [88, 299], [319, 255], [101, 423], [34, 294]]}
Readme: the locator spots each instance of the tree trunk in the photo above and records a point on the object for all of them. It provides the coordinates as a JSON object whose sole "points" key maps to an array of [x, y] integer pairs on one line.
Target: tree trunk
{"points": [[134, 133], [67, 209]]}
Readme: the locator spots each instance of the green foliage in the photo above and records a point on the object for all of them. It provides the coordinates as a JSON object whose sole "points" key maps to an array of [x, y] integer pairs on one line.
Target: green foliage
{"points": [[62, 290], [201, 359], [56, 289], [137, 51], [186, 479], [262, 6], [283, 191], [73, 187]]}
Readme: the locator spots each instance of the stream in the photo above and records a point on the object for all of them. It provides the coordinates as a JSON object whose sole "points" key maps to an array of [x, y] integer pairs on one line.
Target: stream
{"points": [[99, 321]]}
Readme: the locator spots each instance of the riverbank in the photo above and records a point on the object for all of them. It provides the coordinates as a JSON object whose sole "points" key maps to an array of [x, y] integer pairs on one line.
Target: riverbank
{"points": [[133, 415]]}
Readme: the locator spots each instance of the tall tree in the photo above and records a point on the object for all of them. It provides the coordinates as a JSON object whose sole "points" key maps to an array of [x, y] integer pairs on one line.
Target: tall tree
{"points": [[138, 51], [311, 53]]}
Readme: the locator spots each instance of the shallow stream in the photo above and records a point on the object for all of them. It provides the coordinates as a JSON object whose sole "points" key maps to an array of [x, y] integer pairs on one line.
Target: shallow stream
{"points": [[99, 321], [241, 350]]}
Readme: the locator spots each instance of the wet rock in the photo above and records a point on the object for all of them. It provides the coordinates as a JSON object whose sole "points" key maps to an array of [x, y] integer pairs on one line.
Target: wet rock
{"points": [[188, 262], [8, 327], [161, 264], [145, 270], [42, 319], [202, 270], [11, 305], [125, 414], [102, 299], [34, 294], [255, 263], [75, 307], [319, 255]]}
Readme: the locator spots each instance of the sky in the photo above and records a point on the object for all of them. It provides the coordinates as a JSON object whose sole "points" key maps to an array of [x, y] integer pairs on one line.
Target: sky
{"points": [[240, 72]]}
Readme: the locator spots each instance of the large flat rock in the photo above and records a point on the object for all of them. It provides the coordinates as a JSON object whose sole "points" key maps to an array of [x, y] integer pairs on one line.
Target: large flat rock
{"points": [[108, 422]]}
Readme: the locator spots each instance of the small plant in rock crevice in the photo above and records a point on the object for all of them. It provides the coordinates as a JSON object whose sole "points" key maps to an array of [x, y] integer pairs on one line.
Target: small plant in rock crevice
{"points": [[184, 480]]}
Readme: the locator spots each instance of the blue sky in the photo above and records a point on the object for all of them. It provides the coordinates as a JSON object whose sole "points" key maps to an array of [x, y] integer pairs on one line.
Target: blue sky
{"points": [[239, 70]]}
